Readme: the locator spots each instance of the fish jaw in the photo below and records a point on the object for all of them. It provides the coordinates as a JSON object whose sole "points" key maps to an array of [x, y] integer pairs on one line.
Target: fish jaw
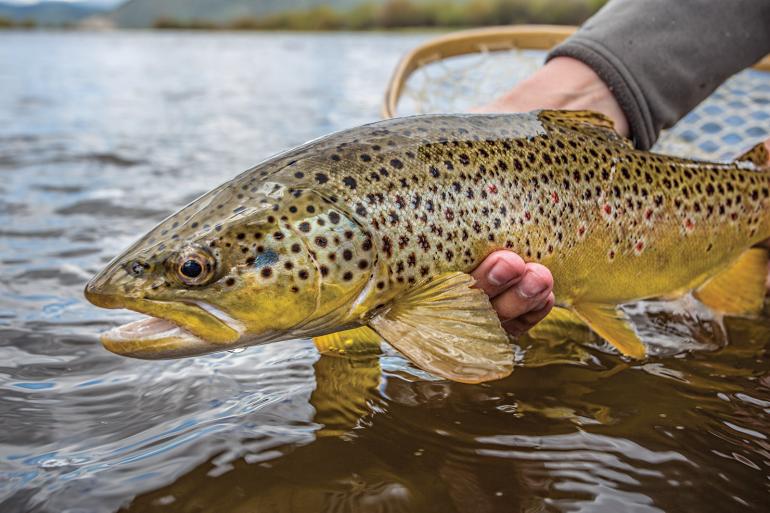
{"points": [[173, 330], [153, 338]]}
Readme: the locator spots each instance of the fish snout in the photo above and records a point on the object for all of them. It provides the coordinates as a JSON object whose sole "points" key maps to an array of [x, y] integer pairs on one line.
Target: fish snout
{"points": [[106, 288], [97, 295]]}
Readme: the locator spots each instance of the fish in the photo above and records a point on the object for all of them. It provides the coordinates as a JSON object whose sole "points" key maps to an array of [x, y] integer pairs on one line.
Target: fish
{"points": [[369, 234]]}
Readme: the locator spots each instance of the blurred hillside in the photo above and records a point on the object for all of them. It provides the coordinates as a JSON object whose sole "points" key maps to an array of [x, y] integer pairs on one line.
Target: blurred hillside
{"points": [[346, 14], [46, 13], [145, 13], [296, 14]]}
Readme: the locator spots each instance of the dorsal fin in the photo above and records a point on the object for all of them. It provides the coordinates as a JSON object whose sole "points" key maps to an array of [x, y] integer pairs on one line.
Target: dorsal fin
{"points": [[589, 122], [757, 155]]}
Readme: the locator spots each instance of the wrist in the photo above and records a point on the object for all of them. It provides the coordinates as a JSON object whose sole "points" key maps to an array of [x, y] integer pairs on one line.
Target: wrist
{"points": [[563, 83]]}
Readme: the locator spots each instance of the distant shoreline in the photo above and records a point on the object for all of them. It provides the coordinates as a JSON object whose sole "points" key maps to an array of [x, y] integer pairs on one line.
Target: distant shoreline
{"points": [[392, 15], [74, 29]]}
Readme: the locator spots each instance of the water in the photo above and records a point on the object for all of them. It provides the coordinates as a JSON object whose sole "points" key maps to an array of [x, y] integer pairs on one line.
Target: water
{"points": [[102, 135]]}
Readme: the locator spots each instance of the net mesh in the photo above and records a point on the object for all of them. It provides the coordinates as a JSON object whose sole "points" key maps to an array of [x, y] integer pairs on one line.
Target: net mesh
{"points": [[731, 120]]}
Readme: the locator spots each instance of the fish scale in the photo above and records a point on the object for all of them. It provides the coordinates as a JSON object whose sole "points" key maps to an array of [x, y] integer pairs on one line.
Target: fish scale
{"points": [[338, 232]]}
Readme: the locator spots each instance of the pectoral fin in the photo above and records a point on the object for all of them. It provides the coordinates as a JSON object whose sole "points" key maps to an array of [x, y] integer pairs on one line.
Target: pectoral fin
{"points": [[757, 155], [739, 289], [360, 341], [612, 325], [449, 329]]}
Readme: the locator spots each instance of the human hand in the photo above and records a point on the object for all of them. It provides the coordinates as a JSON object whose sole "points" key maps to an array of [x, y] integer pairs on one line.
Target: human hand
{"points": [[521, 293]]}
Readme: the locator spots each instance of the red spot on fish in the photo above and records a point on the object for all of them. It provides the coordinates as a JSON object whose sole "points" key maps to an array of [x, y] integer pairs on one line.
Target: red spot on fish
{"points": [[648, 214], [639, 246], [689, 224], [581, 230], [733, 216], [527, 216], [492, 188], [607, 209], [554, 197]]}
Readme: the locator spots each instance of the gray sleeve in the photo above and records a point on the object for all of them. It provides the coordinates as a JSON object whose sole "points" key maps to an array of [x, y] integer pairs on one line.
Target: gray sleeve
{"points": [[663, 57]]}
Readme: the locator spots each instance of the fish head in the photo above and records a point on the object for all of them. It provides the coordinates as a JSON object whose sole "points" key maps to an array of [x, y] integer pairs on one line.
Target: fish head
{"points": [[211, 281]]}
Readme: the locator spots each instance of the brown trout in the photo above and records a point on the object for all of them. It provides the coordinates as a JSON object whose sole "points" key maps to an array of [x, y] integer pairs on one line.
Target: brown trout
{"points": [[376, 227]]}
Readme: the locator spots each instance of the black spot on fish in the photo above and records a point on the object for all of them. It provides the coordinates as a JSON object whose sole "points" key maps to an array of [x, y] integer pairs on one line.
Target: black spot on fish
{"points": [[387, 246]]}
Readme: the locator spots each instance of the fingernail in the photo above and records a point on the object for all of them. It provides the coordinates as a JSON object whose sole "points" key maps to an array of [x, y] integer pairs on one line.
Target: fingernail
{"points": [[530, 287], [500, 273]]}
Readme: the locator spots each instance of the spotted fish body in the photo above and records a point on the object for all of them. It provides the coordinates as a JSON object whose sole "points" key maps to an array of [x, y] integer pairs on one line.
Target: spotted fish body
{"points": [[328, 235]]}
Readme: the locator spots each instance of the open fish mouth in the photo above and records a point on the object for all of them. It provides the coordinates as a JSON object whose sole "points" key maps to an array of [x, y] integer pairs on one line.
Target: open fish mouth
{"points": [[154, 338], [172, 330]]}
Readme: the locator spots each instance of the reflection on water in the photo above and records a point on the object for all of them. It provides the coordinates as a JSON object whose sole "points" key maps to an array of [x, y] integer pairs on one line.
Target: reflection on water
{"points": [[101, 135]]}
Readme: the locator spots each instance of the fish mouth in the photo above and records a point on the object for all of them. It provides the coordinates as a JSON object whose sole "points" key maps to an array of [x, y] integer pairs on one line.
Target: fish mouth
{"points": [[172, 330]]}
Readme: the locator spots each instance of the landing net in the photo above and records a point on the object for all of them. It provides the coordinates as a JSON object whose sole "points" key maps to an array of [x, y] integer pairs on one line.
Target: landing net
{"points": [[456, 72]]}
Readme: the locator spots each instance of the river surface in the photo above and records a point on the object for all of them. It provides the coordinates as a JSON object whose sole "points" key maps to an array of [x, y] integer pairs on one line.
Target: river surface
{"points": [[102, 135]]}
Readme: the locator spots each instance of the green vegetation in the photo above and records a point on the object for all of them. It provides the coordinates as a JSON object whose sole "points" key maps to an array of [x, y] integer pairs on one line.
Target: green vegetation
{"points": [[7, 23], [394, 14]]}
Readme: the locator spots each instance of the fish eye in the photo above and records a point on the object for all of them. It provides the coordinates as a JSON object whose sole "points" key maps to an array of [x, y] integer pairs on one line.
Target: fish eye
{"points": [[191, 269], [195, 266]]}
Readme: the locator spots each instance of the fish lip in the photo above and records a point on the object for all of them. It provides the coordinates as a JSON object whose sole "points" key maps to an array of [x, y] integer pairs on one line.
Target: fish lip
{"points": [[183, 328], [172, 342]]}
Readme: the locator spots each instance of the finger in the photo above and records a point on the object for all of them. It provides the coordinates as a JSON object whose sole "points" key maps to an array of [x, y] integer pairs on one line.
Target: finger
{"points": [[529, 294], [499, 271], [527, 321]]}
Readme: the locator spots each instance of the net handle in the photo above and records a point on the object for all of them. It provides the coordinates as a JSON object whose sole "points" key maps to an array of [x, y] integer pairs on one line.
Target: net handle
{"points": [[488, 39]]}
